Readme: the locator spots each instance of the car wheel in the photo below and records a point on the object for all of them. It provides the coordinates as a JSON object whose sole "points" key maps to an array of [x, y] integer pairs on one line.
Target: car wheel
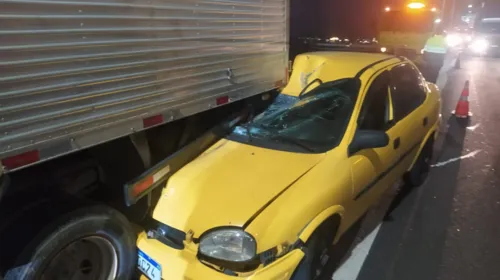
{"points": [[95, 243], [318, 250], [420, 171]]}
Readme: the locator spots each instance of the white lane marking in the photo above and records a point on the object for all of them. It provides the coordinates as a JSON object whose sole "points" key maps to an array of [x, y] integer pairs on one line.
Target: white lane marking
{"points": [[472, 128], [350, 269], [469, 155]]}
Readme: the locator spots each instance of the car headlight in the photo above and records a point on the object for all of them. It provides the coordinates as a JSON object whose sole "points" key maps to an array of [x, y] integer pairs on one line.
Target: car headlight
{"points": [[453, 40], [479, 45], [228, 244]]}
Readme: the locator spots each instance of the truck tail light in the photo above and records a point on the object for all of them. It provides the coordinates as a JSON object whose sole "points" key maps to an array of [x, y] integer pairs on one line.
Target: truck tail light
{"points": [[20, 160], [142, 186], [222, 100], [152, 121]]}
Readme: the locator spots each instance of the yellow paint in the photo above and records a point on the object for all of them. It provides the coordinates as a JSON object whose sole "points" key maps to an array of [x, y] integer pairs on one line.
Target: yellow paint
{"points": [[310, 66], [228, 177], [287, 195], [318, 220], [434, 98], [183, 264]]}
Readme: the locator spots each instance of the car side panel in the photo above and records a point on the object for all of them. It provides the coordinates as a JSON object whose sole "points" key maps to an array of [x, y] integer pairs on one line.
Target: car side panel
{"points": [[381, 166], [416, 127], [432, 108], [373, 170]]}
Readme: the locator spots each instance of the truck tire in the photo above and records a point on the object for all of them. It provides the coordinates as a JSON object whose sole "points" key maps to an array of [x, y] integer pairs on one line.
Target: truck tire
{"points": [[93, 242]]}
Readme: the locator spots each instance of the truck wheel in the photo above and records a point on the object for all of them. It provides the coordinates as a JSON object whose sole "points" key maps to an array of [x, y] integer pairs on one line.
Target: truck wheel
{"points": [[94, 242], [318, 251]]}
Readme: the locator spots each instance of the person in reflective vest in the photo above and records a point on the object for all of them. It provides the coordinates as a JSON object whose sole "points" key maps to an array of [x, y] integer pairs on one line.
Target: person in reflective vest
{"points": [[434, 54]]}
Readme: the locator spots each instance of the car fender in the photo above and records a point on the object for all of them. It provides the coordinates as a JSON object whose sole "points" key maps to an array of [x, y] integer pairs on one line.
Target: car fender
{"points": [[309, 229], [431, 134]]}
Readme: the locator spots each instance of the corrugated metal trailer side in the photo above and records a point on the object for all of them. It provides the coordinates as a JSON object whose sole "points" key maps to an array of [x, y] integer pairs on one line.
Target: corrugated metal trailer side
{"points": [[77, 73]]}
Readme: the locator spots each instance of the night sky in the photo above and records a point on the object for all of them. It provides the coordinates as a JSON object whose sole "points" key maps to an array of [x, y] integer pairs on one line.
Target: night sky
{"points": [[350, 18], [326, 18]]}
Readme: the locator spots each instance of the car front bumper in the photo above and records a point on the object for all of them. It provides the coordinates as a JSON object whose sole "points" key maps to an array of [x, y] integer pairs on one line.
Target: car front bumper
{"points": [[183, 264]]}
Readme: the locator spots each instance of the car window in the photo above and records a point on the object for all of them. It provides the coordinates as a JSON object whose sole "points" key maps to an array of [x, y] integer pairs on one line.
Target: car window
{"points": [[317, 120], [407, 90], [375, 111]]}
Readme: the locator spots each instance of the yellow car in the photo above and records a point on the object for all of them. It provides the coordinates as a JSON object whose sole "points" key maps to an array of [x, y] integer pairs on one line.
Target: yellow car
{"points": [[268, 200]]}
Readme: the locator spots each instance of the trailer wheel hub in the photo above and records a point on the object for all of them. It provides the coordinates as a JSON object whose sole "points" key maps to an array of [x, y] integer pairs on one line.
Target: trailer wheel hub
{"points": [[91, 257]]}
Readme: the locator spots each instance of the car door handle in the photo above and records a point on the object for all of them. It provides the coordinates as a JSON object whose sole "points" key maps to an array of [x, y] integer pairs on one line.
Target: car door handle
{"points": [[425, 122], [396, 143]]}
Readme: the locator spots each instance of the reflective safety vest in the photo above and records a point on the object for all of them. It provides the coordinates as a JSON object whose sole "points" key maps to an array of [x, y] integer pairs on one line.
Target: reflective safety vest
{"points": [[435, 44]]}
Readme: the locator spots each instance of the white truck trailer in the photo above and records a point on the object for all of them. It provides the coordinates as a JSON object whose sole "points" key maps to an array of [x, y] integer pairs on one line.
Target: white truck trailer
{"points": [[95, 92]]}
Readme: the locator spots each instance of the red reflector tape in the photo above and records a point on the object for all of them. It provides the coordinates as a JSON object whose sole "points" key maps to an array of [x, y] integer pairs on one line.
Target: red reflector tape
{"points": [[154, 120], [222, 100], [142, 186], [21, 159]]}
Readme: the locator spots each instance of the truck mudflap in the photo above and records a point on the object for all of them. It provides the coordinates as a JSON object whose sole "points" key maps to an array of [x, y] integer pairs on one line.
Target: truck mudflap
{"points": [[161, 172]]}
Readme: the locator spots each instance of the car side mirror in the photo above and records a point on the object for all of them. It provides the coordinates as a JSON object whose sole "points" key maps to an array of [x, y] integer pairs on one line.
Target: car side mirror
{"points": [[368, 139]]}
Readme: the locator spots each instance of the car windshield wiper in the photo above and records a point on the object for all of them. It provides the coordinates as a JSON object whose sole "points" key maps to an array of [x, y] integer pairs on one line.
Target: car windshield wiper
{"points": [[293, 141]]}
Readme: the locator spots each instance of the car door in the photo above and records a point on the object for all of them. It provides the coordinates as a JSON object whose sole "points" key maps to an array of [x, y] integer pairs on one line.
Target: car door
{"points": [[372, 169], [408, 93]]}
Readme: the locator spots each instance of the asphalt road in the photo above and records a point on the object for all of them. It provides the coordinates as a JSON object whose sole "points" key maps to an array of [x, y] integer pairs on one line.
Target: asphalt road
{"points": [[449, 228]]}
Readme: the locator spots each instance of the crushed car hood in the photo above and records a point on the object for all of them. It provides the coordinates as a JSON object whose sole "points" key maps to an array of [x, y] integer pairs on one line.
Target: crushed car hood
{"points": [[227, 185]]}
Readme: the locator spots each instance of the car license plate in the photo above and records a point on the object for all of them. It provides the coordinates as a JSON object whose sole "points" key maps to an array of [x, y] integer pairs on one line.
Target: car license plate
{"points": [[148, 266]]}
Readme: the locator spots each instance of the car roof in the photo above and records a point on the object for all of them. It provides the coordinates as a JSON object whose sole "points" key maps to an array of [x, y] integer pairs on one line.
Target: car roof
{"points": [[330, 66], [352, 62]]}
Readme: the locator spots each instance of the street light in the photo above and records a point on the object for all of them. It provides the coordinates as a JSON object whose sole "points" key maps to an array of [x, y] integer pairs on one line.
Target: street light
{"points": [[470, 6], [387, 9]]}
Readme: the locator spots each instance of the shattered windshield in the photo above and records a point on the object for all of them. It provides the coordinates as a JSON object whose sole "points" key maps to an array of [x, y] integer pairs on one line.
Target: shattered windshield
{"points": [[314, 123]]}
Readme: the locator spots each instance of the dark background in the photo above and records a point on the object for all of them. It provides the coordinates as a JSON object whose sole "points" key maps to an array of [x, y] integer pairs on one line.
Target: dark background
{"points": [[357, 18], [327, 18]]}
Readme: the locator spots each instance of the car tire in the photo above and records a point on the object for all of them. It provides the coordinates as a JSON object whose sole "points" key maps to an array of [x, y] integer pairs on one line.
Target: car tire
{"points": [[97, 242], [420, 170], [318, 249]]}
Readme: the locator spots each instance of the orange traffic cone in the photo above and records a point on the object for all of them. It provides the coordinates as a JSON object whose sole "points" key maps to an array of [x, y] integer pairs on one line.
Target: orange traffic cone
{"points": [[462, 110]]}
